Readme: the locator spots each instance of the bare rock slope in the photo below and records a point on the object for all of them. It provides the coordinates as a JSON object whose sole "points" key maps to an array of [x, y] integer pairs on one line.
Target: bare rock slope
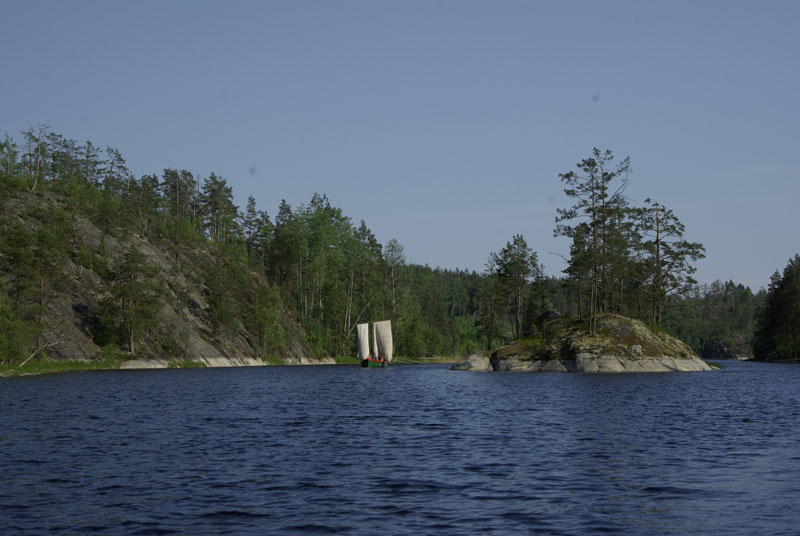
{"points": [[182, 327]]}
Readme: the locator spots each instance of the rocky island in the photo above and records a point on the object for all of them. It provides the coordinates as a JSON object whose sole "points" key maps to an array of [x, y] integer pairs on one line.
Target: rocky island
{"points": [[620, 345]]}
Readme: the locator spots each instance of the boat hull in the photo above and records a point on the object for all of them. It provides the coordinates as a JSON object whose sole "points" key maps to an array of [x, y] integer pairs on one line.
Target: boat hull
{"points": [[373, 363]]}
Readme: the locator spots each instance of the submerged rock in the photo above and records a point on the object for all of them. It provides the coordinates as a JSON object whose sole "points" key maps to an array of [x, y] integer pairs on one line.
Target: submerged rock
{"points": [[620, 345]]}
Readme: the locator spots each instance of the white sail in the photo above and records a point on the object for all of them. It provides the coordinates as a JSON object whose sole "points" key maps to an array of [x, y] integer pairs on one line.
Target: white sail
{"points": [[362, 335], [382, 333]]}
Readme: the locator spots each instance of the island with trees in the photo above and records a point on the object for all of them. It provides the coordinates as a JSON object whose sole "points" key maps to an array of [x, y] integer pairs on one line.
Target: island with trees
{"points": [[624, 260]]}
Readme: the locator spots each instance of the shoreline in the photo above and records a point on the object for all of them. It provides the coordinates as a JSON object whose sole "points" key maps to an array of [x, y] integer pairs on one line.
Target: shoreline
{"points": [[54, 366]]}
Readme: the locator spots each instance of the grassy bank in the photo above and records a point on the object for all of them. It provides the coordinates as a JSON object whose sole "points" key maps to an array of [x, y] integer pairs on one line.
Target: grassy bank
{"points": [[50, 366], [347, 360], [427, 360], [53, 366]]}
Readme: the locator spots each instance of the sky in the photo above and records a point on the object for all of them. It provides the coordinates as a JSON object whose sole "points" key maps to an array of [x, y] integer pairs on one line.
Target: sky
{"points": [[442, 124]]}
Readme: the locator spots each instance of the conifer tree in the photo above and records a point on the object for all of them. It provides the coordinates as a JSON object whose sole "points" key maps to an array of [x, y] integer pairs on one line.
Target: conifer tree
{"points": [[595, 199], [489, 291], [9, 159], [137, 295], [250, 221], [516, 263], [669, 271]]}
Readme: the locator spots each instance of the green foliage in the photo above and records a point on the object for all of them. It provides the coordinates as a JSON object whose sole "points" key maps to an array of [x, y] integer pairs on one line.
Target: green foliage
{"points": [[347, 360], [219, 212], [19, 261], [716, 320], [109, 353], [227, 281], [622, 259], [50, 366], [92, 260], [11, 331], [263, 320], [106, 327], [138, 296], [168, 344], [598, 203], [778, 335], [668, 270], [516, 264]]}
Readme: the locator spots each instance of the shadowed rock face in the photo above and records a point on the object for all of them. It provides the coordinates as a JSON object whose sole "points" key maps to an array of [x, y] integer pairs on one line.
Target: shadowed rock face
{"points": [[621, 345]]}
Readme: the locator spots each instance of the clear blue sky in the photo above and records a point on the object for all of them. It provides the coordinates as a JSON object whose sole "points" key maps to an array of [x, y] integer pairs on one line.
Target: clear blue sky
{"points": [[443, 124]]}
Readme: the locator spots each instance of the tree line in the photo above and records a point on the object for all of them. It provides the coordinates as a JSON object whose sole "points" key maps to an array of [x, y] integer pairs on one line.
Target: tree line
{"points": [[315, 264], [778, 331], [319, 267]]}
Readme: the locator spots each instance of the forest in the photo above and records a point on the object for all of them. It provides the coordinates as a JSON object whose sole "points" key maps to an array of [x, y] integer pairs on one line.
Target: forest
{"points": [[327, 273]]}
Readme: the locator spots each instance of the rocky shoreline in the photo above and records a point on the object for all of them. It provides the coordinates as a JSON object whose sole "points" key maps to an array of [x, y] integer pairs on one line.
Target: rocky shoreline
{"points": [[583, 363], [211, 362]]}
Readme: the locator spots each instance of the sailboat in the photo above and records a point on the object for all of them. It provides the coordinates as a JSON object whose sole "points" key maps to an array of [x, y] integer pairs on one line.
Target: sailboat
{"points": [[381, 343]]}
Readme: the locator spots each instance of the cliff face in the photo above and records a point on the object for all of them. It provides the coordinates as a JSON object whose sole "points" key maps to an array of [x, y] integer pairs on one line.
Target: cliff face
{"points": [[621, 345], [180, 323]]}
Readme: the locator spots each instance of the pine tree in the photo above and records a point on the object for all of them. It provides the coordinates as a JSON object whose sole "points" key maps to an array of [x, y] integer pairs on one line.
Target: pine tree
{"points": [[668, 255], [595, 200], [250, 223], [218, 208], [137, 295], [489, 300], [9, 159], [516, 263]]}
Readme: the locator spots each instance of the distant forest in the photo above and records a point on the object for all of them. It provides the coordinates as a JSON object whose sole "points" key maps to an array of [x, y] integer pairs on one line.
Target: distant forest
{"points": [[330, 273]]}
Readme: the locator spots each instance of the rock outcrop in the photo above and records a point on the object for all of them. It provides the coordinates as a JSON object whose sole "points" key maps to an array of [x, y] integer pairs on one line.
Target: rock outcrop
{"points": [[182, 327], [476, 361], [620, 345]]}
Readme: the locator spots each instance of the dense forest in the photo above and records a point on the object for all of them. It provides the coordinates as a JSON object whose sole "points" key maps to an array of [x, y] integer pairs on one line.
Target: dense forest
{"points": [[313, 264], [778, 334]]}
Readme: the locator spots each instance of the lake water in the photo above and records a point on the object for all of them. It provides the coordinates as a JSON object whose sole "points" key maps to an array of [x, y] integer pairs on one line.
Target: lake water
{"points": [[403, 450]]}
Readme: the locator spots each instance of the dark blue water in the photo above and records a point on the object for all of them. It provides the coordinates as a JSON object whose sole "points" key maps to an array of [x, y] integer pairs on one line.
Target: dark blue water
{"points": [[403, 450]]}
